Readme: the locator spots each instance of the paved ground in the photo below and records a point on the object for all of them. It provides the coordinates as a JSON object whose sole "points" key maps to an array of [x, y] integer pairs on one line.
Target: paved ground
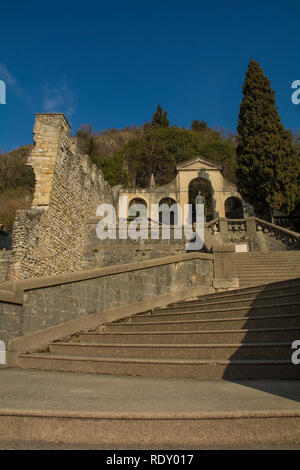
{"points": [[50, 390]]}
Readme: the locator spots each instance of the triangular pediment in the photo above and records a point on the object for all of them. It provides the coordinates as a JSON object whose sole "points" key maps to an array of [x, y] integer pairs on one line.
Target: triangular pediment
{"points": [[199, 163]]}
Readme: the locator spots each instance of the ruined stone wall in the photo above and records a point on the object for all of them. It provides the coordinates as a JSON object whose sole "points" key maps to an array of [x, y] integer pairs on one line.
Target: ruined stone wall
{"points": [[51, 237]]}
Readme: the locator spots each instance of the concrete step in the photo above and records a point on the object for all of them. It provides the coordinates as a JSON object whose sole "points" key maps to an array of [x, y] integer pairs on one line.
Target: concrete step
{"points": [[256, 335], [224, 314], [262, 321], [184, 368], [175, 351]]}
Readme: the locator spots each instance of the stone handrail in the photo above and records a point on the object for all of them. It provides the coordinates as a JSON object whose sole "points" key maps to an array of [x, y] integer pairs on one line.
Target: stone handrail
{"points": [[213, 226], [288, 237], [236, 225], [12, 291], [252, 225]]}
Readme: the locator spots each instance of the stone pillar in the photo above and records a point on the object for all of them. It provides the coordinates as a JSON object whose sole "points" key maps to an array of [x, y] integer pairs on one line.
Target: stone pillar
{"points": [[224, 267], [47, 132], [223, 225], [251, 226]]}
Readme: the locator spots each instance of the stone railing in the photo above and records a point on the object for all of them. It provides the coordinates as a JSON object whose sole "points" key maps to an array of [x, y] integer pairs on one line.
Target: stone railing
{"points": [[289, 238], [251, 226], [236, 225], [213, 226], [31, 305]]}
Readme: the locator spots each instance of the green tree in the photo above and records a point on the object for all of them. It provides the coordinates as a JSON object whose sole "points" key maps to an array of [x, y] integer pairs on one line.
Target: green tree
{"points": [[267, 162], [159, 118], [159, 150], [199, 126]]}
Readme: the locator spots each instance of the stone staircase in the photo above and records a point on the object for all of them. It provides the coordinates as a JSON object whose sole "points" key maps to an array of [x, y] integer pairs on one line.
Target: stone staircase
{"points": [[4, 264], [256, 268], [241, 334]]}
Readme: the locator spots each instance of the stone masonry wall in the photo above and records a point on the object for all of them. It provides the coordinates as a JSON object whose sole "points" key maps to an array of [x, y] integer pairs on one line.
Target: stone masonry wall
{"points": [[51, 237], [4, 264], [51, 305]]}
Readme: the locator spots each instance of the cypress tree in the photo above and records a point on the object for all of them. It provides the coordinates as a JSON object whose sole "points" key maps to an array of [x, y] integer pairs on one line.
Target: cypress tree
{"points": [[159, 118], [267, 162]]}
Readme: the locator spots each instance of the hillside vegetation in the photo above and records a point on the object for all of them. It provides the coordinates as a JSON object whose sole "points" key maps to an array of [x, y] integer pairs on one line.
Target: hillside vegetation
{"points": [[131, 156], [126, 156], [16, 184]]}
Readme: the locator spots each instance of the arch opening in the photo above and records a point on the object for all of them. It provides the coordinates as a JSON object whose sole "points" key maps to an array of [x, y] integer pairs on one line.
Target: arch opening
{"points": [[137, 208], [167, 215], [234, 208], [202, 186]]}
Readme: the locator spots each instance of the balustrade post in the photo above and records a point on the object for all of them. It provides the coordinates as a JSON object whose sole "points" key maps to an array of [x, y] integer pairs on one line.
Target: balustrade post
{"points": [[251, 226], [223, 225], [224, 267]]}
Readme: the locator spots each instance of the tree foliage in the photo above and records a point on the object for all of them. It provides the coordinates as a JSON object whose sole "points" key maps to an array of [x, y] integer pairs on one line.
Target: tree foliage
{"points": [[158, 151], [199, 126], [159, 118], [16, 184], [267, 162]]}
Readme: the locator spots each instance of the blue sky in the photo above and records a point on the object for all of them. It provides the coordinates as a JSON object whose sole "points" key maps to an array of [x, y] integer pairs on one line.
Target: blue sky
{"points": [[111, 63]]}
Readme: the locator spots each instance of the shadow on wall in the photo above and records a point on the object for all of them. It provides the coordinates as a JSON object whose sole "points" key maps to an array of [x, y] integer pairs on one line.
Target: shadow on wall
{"points": [[272, 324], [203, 184], [5, 239]]}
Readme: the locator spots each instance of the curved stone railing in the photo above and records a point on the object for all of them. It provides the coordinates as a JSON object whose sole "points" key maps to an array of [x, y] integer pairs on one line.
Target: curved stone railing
{"points": [[213, 226], [252, 225], [289, 238]]}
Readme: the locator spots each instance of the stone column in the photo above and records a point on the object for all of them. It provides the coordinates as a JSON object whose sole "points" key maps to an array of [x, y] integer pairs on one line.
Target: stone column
{"points": [[224, 267], [223, 225], [251, 226], [47, 132]]}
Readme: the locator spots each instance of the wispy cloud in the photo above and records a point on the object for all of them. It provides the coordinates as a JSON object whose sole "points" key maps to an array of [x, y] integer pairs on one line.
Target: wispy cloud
{"points": [[13, 84], [59, 100]]}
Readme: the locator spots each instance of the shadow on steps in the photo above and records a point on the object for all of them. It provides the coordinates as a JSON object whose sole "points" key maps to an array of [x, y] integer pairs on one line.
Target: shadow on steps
{"points": [[275, 338]]}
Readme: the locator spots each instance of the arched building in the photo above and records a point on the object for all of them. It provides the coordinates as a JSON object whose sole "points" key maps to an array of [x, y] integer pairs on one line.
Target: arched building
{"points": [[224, 198]]}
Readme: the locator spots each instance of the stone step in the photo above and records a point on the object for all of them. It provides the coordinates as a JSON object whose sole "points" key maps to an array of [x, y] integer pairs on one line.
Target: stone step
{"points": [[268, 278], [175, 351], [253, 282], [280, 288], [246, 299], [269, 255], [269, 275], [275, 261], [279, 267], [257, 335], [208, 314], [183, 368], [263, 321], [255, 307]]}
